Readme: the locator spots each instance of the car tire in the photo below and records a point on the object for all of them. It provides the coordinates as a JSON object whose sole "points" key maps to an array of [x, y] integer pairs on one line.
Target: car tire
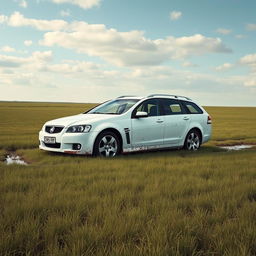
{"points": [[107, 144], [192, 141]]}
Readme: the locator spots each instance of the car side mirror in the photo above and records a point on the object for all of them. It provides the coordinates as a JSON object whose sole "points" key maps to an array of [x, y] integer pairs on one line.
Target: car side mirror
{"points": [[140, 114]]}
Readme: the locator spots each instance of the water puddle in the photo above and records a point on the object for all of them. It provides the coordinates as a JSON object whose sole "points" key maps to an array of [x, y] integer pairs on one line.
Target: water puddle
{"points": [[237, 147], [14, 159]]}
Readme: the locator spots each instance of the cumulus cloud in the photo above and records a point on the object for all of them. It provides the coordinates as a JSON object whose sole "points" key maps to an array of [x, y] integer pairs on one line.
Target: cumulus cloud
{"points": [[23, 3], [189, 64], [119, 48], [3, 19], [240, 36], [130, 48], [224, 67], [7, 48], [224, 31], [18, 20], [11, 61], [65, 13], [86, 4], [250, 61], [250, 82], [68, 66], [28, 42], [251, 27], [37, 58], [175, 15]]}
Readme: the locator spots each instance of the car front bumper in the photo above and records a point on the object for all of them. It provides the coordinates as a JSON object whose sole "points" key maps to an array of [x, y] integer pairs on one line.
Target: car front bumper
{"points": [[64, 142]]}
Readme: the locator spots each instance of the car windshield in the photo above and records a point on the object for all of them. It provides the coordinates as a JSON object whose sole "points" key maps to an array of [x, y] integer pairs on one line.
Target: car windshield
{"points": [[114, 107]]}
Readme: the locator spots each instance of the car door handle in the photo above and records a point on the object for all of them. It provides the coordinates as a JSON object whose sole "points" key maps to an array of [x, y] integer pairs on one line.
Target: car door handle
{"points": [[186, 118], [159, 121]]}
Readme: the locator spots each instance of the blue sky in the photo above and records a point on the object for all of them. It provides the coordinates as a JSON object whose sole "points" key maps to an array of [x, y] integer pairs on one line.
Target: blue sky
{"points": [[93, 50]]}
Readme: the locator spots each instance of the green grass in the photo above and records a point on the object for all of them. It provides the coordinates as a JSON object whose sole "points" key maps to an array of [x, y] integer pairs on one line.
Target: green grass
{"points": [[162, 203], [21, 122], [233, 125]]}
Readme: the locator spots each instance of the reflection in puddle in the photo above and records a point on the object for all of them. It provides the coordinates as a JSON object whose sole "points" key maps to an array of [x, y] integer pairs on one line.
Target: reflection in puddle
{"points": [[12, 159], [237, 147]]}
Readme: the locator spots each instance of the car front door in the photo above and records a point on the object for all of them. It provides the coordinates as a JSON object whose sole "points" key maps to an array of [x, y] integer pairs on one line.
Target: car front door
{"points": [[148, 130], [176, 121]]}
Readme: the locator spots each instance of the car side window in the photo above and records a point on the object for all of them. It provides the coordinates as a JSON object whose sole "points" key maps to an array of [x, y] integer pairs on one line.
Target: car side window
{"points": [[151, 107], [192, 108], [172, 107]]}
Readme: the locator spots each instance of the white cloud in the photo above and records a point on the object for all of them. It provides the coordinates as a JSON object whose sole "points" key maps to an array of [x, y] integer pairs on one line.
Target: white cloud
{"points": [[251, 27], [250, 82], [249, 59], [69, 67], [175, 15], [23, 3], [37, 77], [188, 64], [3, 19], [18, 20], [119, 48], [130, 48], [65, 13], [28, 42], [86, 4], [240, 36], [7, 48], [11, 61], [45, 56], [224, 31], [36, 59], [224, 66]]}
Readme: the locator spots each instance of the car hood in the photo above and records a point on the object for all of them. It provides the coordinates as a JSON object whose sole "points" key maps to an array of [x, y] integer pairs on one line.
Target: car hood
{"points": [[79, 119]]}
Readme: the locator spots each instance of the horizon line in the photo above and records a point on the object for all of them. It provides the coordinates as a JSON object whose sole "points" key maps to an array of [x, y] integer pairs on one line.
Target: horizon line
{"points": [[71, 102]]}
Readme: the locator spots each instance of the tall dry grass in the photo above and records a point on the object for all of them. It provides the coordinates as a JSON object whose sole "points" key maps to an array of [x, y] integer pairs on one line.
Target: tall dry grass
{"points": [[162, 203]]}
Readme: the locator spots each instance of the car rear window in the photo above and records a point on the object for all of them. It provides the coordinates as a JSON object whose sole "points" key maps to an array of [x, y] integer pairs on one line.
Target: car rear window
{"points": [[192, 108]]}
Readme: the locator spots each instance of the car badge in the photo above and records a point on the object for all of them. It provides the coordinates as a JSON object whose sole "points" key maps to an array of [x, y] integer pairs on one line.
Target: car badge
{"points": [[52, 129]]}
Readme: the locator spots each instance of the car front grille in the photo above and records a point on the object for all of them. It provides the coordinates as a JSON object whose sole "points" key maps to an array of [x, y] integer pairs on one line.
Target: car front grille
{"points": [[53, 129], [54, 145]]}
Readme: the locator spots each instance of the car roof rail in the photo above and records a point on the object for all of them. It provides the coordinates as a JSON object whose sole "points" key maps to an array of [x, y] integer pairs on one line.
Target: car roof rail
{"points": [[169, 95], [124, 96]]}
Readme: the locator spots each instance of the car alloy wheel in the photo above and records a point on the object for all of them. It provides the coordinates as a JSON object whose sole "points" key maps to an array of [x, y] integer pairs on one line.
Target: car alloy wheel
{"points": [[107, 145], [192, 141]]}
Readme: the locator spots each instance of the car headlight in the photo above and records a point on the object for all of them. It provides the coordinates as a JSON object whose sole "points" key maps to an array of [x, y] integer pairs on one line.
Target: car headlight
{"points": [[79, 128]]}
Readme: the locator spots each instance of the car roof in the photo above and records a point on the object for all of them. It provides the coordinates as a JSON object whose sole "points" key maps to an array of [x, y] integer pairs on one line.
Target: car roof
{"points": [[166, 96]]}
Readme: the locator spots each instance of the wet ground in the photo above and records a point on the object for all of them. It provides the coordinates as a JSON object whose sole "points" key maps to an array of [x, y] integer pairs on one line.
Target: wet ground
{"points": [[14, 159]]}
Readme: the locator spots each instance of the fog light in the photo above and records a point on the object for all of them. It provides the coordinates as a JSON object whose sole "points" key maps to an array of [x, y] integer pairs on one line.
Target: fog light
{"points": [[76, 146]]}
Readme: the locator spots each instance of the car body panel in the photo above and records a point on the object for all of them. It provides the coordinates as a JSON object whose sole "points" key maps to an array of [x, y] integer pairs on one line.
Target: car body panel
{"points": [[147, 131], [176, 127]]}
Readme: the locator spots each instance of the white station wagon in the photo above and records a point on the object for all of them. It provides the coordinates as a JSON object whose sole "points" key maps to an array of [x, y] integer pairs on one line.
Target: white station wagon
{"points": [[128, 124]]}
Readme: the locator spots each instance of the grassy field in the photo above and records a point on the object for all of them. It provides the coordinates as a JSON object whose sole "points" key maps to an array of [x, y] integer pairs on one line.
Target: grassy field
{"points": [[162, 203]]}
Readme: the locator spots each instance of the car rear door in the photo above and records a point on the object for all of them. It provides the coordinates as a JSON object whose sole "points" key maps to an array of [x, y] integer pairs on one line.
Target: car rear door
{"points": [[176, 121], [148, 131]]}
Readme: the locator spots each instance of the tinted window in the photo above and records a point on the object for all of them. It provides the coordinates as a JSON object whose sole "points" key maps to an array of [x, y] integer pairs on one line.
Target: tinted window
{"points": [[150, 106], [192, 108], [172, 107]]}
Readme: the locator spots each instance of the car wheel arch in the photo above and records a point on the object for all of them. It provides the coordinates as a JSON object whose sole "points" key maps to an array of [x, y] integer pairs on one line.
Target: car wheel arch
{"points": [[195, 129], [114, 130]]}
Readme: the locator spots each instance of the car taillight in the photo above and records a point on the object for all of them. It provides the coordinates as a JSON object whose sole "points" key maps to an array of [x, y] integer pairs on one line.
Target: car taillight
{"points": [[209, 120]]}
